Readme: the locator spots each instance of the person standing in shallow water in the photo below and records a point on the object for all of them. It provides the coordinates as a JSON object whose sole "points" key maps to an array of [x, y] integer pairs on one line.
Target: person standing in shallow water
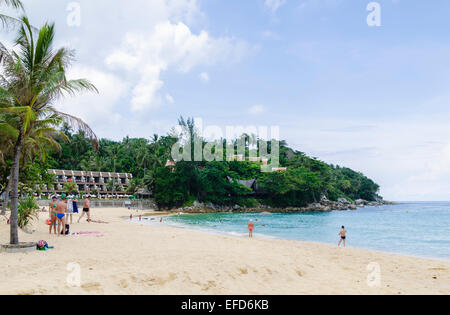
{"points": [[251, 227], [343, 234]]}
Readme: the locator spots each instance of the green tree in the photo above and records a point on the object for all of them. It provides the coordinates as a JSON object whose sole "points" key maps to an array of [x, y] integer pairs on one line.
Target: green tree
{"points": [[33, 79], [70, 188]]}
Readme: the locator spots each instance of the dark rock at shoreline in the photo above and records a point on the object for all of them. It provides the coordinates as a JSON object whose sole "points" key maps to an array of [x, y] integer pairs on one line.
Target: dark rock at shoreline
{"points": [[325, 205]]}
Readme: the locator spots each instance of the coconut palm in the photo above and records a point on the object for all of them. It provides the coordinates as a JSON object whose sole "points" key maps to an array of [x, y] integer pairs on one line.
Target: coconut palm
{"points": [[32, 79], [39, 142], [6, 20]]}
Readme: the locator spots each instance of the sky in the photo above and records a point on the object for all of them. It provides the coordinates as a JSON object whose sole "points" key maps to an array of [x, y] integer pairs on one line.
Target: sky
{"points": [[372, 98]]}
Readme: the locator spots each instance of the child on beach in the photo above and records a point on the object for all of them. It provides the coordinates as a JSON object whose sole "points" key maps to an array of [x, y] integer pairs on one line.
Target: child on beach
{"points": [[251, 226], [342, 233]]}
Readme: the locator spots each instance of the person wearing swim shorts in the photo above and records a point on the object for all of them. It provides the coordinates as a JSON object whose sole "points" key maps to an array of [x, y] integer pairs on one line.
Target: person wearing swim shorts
{"points": [[61, 210], [251, 227], [86, 209], [343, 234], [52, 214]]}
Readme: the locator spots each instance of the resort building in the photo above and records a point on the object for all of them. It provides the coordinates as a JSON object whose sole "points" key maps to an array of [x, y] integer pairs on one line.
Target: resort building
{"points": [[89, 182]]}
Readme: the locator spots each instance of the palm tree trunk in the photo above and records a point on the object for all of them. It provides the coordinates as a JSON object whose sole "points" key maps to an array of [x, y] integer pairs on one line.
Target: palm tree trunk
{"points": [[7, 192], [14, 235]]}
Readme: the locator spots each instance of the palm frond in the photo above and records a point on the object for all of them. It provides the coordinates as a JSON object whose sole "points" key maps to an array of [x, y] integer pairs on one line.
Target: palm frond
{"points": [[78, 124], [17, 4]]}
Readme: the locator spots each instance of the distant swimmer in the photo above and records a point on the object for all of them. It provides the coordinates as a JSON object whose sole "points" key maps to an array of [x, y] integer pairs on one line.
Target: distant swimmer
{"points": [[251, 226], [343, 234]]}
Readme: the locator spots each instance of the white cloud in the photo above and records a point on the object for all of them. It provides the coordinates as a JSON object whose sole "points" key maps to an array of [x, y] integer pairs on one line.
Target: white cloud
{"points": [[274, 5], [144, 56], [95, 109], [256, 109], [204, 76]]}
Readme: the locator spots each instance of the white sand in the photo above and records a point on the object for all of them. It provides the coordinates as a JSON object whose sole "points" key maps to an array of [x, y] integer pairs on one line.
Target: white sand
{"points": [[137, 259]]}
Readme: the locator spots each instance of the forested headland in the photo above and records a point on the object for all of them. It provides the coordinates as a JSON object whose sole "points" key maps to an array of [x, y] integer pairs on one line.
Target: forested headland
{"points": [[306, 180]]}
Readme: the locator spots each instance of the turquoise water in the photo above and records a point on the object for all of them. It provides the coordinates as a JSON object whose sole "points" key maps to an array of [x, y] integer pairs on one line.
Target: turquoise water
{"points": [[414, 229]]}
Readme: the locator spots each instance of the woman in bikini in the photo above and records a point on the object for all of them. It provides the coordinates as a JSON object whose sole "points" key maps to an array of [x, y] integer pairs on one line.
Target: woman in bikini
{"points": [[52, 214], [251, 226]]}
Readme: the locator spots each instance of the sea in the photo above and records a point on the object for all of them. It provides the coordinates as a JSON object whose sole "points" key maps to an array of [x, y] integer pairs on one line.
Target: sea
{"points": [[419, 229]]}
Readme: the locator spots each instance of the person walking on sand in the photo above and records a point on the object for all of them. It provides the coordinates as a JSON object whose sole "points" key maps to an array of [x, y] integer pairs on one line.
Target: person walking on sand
{"points": [[52, 214], [86, 209], [61, 210], [251, 226], [343, 234]]}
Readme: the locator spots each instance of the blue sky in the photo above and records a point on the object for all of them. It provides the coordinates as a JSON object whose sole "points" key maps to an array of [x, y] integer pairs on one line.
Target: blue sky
{"points": [[372, 98]]}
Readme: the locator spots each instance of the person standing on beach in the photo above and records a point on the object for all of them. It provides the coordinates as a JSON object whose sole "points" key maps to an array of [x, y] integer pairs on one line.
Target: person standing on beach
{"points": [[251, 226], [86, 209], [61, 210], [70, 209], [75, 205], [343, 234], [52, 214]]}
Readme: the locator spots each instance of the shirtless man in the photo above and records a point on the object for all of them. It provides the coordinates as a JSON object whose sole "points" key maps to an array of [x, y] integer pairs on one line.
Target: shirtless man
{"points": [[86, 209], [342, 233], [52, 214], [60, 211]]}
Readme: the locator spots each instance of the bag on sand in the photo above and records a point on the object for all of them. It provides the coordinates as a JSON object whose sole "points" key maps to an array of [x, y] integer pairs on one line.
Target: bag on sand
{"points": [[41, 245], [66, 231]]}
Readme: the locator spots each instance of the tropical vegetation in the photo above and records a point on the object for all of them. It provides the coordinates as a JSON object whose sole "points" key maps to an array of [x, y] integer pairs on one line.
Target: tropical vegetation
{"points": [[306, 180], [35, 137], [33, 78]]}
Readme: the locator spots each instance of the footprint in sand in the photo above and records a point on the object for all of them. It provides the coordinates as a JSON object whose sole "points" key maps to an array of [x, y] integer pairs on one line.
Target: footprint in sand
{"points": [[243, 271], [123, 284], [91, 286]]}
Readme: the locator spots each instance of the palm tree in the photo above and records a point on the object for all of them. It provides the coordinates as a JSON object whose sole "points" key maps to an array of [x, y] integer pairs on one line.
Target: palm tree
{"points": [[32, 80], [7, 20], [37, 145]]}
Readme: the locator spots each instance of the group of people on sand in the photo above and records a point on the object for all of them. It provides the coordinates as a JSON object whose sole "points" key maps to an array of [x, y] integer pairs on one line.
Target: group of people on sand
{"points": [[342, 233], [61, 210]]}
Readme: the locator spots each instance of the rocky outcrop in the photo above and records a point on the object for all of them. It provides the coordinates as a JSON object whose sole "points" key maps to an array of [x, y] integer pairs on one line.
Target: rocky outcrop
{"points": [[324, 205]]}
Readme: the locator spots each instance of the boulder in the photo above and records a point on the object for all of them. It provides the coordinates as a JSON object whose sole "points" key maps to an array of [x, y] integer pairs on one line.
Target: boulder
{"points": [[360, 202], [324, 200], [344, 201]]}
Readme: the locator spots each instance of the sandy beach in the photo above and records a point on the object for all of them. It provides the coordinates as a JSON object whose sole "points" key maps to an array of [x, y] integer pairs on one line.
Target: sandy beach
{"points": [[135, 259]]}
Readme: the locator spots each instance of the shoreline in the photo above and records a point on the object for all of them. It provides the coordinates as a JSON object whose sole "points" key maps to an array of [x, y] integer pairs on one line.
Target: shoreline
{"points": [[138, 259], [324, 205], [263, 236]]}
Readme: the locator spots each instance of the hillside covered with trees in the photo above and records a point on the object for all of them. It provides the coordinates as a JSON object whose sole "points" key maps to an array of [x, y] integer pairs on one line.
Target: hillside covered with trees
{"points": [[305, 181]]}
